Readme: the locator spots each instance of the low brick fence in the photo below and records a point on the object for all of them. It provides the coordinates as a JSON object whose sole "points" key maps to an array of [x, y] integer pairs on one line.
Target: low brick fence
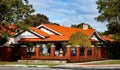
{"points": [[96, 53], [7, 54]]}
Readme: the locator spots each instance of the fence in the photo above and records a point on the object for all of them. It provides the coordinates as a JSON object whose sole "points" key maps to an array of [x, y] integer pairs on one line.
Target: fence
{"points": [[92, 53]]}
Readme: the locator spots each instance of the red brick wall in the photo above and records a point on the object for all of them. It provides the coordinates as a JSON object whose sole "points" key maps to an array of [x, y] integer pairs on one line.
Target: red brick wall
{"points": [[6, 53]]}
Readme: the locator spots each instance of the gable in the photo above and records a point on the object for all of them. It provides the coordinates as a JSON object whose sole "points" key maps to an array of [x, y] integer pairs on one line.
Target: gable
{"points": [[48, 30], [28, 34], [93, 37]]}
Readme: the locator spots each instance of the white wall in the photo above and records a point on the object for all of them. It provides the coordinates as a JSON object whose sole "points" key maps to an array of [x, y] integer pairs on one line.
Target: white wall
{"points": [[94, 37], [25, 34]]}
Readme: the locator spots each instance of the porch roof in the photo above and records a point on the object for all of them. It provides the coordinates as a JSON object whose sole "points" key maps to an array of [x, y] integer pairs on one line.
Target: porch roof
{"points": [[51, 38]]}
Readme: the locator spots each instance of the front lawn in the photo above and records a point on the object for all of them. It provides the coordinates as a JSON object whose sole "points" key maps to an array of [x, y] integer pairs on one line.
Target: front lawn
{"points": [[26, 63], [106, 62]]}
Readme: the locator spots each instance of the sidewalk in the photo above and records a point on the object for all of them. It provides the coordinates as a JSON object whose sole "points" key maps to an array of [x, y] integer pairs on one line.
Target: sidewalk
{"points": [[88, 65], [77, 65], [20, 65]]}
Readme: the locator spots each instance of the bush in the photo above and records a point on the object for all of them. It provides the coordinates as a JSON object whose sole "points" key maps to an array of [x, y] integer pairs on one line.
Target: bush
{"points": [[79, 38]]}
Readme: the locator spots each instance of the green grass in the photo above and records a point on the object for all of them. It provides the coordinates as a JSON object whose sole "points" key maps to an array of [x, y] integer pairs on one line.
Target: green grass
{"points": [[106, 62], [27, 63]]}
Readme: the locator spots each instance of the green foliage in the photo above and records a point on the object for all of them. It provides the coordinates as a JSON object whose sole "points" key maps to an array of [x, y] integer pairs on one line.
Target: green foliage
{"points": [[35, 20], [30, 46], [12, 11], [113, 28], [110, 12], [3, 37], [116, 37], [55, 24], [49, 44], [79, 38], [22, 25], [80, 25]]}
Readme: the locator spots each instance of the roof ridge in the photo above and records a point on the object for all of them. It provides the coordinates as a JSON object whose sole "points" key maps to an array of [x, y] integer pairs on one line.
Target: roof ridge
{"points": [[67, 27]]}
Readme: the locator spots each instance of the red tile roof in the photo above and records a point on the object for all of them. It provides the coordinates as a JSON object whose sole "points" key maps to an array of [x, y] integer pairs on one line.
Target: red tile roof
{"points": [[9, 29], [107, 38], [12, 26], [39, 31], [65, 31], [68, 30], [52, 38]]}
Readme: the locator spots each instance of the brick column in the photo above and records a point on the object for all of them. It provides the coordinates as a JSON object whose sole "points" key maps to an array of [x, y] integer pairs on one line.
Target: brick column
{"points": [[52, 51], [93, 52], [99, 52], [85, 53], [37, 50], [9, 54], [78, 52], [68, 51], [23, 51]]}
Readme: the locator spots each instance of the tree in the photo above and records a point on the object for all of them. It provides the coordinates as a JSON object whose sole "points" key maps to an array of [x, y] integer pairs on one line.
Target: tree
{"points": [[35, 20], [80, 25], [55, 24], [110, 12], [79, 38], [12, 11], [3, 37]]}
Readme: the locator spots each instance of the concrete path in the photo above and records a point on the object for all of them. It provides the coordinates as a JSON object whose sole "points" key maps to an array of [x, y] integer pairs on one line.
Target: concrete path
{"points": [[88, 65]]}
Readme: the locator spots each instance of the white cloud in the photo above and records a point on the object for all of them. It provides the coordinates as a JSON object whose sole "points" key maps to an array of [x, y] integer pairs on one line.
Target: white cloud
{"points": [[67, 12]]}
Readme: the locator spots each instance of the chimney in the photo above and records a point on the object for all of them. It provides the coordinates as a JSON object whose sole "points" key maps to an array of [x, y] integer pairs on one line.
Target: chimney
{"points": [[85, 26]]}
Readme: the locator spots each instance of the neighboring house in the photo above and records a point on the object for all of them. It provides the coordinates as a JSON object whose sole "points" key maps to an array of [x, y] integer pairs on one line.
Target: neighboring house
{"points": [[52, 33], [108, 38], [10, 29]]}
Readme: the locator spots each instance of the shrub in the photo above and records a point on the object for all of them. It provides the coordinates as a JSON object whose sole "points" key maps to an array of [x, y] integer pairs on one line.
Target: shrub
{"points": [[79, 38]]}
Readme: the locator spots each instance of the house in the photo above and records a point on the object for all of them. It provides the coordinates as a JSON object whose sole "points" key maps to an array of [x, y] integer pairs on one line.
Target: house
{"points": [[48, 33], [108, 38], [52, 33]]}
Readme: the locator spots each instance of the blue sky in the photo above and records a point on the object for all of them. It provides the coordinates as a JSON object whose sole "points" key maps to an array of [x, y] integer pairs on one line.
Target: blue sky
{"points": [[67, 12]]}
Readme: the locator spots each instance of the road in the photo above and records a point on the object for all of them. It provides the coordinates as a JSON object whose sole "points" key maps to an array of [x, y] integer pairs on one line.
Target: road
{"points": [[52, 68]]}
